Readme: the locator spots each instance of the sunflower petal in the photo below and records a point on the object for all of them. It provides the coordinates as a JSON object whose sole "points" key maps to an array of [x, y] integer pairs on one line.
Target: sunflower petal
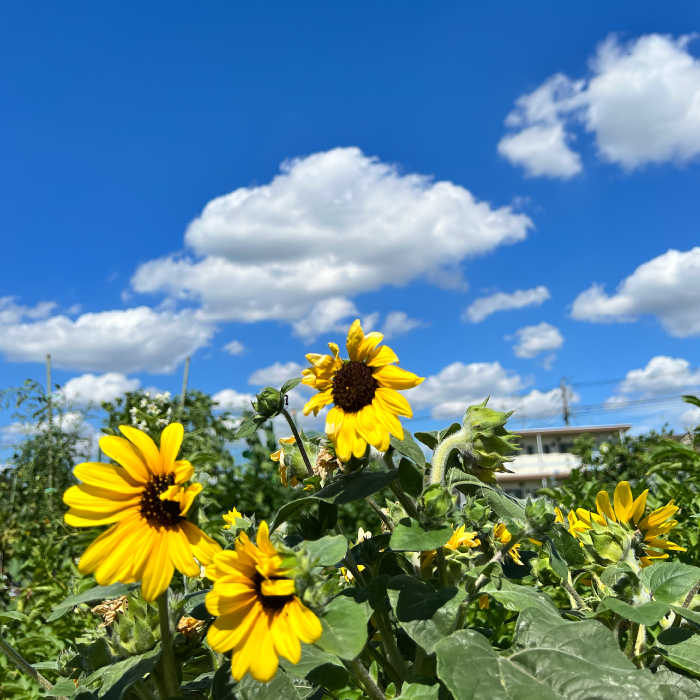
{"points": [[124, 453], [304, 621], [602, 502], [355, 338], [345, 438], [281, 587], [98, 550], [318, 401], [145, 445], [623, 502], [658, 516], [334, 421], [284, 637], [394, 402], [393, 377], [264, 662], [369, 428], [159, 570], [638, 506], [228, 630], [110, 476], [203, 546], [370, 342], [183, 471], [381, 356], [170, 442], [387, 419], [181, 553]]}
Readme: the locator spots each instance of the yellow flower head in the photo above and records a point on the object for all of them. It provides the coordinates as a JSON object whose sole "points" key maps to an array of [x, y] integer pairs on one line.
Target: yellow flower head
{"points": [[628, 511], [364, 391], [144, 496], [460, 538], [279, 457], [230, 518], [260, 617], [503, 536]]}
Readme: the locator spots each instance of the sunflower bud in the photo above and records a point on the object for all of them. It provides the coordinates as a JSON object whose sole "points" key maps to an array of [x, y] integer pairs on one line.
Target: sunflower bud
{"points": [[437, 502], [269, 402]]}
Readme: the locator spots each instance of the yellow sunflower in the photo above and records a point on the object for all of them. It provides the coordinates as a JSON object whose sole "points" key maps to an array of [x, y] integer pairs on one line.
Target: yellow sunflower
{"points": [[460, 538], [364, 391], [143, 496], [230, 518], [260, 617], [626, 510], [503, 536]]}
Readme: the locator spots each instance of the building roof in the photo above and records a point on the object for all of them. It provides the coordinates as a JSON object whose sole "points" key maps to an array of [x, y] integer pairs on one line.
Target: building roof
{"points": [[575, 429]]}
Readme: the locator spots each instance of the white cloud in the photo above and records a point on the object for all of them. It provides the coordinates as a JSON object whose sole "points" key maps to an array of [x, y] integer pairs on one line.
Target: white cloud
{"points": [[12, 313], [399, 323], [532, 340], [667, 287], [275, 375], [663, 376], [122, 341], [485, 306], [449, 393], [331, 225], [90, 388], [235, 347], [690, 418], [325, 317], [641, 104], [232, 400]]}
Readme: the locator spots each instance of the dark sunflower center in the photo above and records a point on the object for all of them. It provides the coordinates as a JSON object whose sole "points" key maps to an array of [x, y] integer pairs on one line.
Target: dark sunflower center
{"points": [[276, 602], [353, 387], [155, 510]]}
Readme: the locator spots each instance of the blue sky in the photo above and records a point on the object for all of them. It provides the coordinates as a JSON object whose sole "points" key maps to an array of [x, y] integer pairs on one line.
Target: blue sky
{"points": [[405, 197]]}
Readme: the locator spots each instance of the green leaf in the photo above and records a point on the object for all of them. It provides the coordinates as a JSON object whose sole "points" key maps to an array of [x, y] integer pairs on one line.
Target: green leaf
{"points": [[687, 614], [556, 561], [64, 687], [318, 667], [123, 674], [427, 633], [503, 505], [674, 686], [98, 593], [410, 478], [408, 448], [201, 682], [517, 598], [567, 546], [411, 536], [669, 581], [418, 600], [288, 509], [279, 688], [328, 550], [344, 628], [683, 654], [12, 615], [647, 614], [416, 691], [249, 426], [355, 487], [289, 385], [223, 686], [573, 661], [432, 437]]}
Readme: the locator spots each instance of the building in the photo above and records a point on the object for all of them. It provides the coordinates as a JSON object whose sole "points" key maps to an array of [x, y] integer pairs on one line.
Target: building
{"points": [[545, 456]]}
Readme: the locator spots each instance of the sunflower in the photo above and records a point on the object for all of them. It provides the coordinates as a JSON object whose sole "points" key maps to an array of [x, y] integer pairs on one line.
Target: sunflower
{"points": [[460, 538], [364, 391], [230, 518], [143, 495], [625, 510], [260, 617], [503, 536], [279, 457]]}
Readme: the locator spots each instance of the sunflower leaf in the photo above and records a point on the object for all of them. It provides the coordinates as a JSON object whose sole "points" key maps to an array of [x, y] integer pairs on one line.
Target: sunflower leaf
{"points": [[288, 509], [408, 448], [681, 653], [417, 599], [356, 487], [289, 385], [344, 628], [517, 598], [410, 478], [98, 593], [669, 581], [318, 667], [328, 550], [411, 536], [249, 426], [647, 614], [123, 674]]}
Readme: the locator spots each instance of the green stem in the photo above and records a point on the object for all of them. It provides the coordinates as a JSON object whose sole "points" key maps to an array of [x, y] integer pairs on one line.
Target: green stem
{"points": [[299, 443], [404, 500], [389, 643], [166, 664], [23, 665], [386, 666], [631, 640], [142, 690], [375, 507], [574, 594], [349, 560], [442, 452], [362, 675], [442, 566]]}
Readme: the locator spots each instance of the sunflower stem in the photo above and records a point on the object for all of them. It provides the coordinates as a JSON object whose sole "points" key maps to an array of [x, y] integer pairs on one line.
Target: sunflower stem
{"points": [[404, 500], [573, 593], [349, 560], [442, 453], [23, 665], [382, 516], [166, 664], [631, 640], [389, 644], [299, 443], [365, 680]]}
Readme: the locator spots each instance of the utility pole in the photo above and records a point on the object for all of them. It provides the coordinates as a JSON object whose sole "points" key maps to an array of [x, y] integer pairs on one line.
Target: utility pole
{"points": [[49, 434], [184, 382], [565, 401]]}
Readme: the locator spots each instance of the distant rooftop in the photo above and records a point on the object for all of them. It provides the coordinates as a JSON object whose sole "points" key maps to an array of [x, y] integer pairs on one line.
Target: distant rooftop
{"points": [[576, 429]]}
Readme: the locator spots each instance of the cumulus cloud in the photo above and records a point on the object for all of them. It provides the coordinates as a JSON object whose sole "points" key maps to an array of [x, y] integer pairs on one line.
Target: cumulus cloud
{"points": [[399, 323], [449, 393], [640, 103], [329, 226], [532, 340], [663, 376], [121, 341], [91, 388], [235, 347], [667, 287], [232, 400], [276, 374], [327, 316], [690, 418], [483, 307]]}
